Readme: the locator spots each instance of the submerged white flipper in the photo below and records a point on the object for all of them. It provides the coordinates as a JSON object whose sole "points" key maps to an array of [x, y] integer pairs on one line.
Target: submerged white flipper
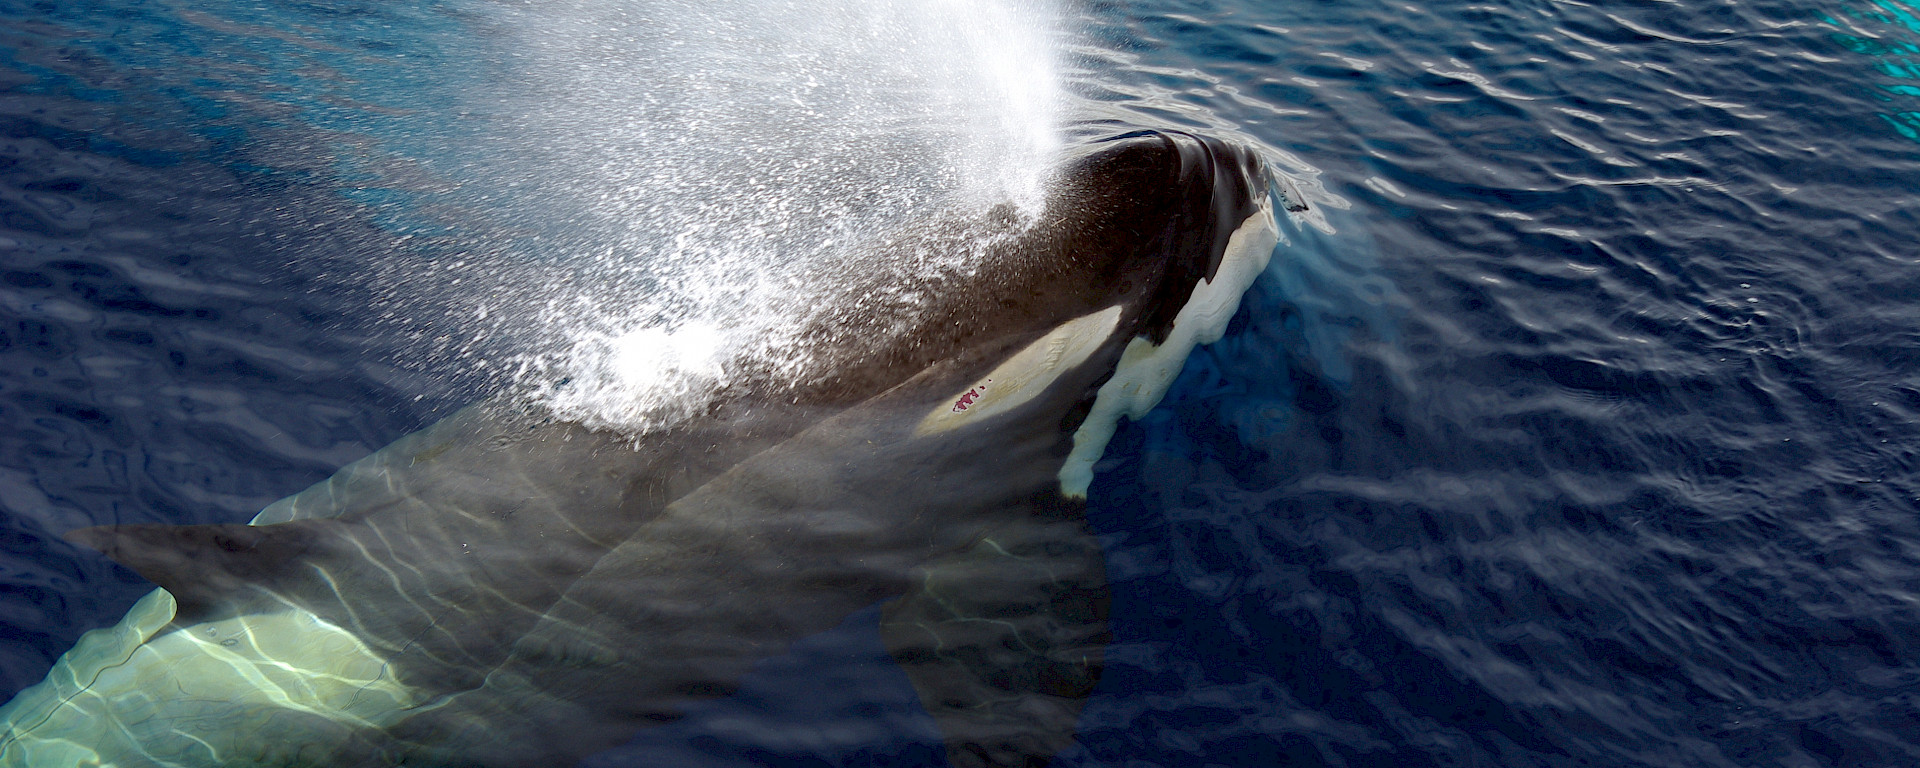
{"points": [[128, 695]]}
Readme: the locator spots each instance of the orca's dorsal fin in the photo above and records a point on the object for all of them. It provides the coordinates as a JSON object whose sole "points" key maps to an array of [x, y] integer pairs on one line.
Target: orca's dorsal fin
{"points": [[205, 567], [1004, 641]]}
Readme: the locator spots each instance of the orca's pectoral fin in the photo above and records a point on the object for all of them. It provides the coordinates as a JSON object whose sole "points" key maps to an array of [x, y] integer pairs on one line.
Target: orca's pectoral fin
{"points": [[1004, 642], [203, 566]]}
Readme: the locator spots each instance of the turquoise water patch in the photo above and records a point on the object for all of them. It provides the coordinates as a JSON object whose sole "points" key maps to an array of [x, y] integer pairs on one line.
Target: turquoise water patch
{"points": [[1893, 39]]}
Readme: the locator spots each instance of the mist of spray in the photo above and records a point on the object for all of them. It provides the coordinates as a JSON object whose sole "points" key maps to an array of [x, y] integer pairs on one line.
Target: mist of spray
{"points": [[689, 180]]}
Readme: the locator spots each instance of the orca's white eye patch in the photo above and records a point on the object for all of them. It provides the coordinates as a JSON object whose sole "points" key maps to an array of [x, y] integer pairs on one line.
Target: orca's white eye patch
{"points": [[1026, 374], [1147, 370]]}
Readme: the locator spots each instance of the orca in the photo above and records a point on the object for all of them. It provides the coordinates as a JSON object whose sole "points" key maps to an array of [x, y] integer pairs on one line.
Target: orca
{"points": [[505, 589]]}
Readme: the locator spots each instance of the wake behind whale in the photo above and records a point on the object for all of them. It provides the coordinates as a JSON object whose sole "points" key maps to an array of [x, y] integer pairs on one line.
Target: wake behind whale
{"points": [[510, 588]]}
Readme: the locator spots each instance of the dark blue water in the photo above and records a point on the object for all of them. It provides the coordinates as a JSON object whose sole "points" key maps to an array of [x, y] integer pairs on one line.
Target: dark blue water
{"points": [[1582, 435]]}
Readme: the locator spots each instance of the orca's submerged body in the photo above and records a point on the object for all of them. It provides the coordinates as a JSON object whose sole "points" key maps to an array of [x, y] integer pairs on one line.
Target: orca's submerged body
{"points": [[499, 590]]}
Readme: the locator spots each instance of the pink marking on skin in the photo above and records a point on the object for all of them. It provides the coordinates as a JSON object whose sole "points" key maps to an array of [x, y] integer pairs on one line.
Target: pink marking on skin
{"points": [[967, 399]]}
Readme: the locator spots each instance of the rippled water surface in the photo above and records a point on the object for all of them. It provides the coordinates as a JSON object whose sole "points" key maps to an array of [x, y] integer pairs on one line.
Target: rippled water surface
{"points": [[1579, 430]]}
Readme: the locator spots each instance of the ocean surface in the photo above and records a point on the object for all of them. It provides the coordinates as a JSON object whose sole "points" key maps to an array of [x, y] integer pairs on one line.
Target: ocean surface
{"points": [[1576, 425]]}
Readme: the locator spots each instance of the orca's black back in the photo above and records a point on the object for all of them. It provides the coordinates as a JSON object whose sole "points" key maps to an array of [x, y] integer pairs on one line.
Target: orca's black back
{"points": [[1136, 219]]}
